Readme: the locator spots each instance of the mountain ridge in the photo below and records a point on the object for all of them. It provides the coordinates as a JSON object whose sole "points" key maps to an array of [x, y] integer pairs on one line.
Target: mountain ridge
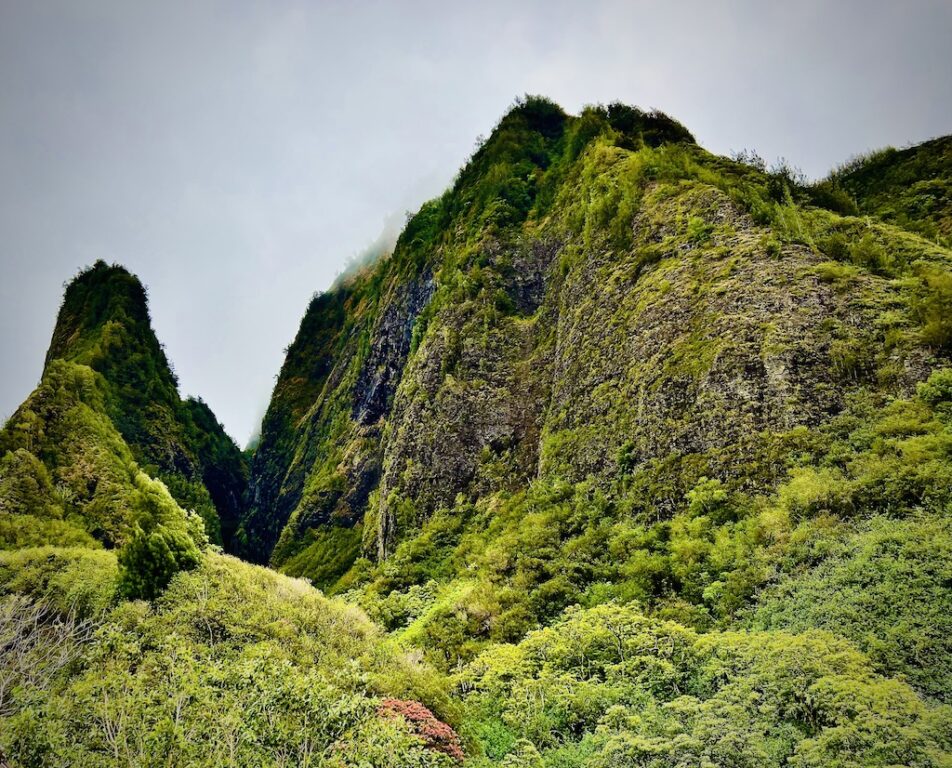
{"points": [[528, 274], [627, 455]]}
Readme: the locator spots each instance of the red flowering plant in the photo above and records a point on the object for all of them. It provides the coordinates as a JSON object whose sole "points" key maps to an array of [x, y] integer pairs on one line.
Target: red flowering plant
{"points": [[436, 734]]}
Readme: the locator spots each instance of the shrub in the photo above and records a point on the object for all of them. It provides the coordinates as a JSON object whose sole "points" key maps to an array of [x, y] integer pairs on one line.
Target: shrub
{"points": [[833, 197], [933, 307], [25, 486], [937, 388], [166, 540], [850, 359], [836, 246], [868, 253], [150, 560], [436, 734]]}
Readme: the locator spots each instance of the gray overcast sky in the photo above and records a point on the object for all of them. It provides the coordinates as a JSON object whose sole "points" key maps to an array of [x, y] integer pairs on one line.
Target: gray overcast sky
{"points": [[236, 154]]}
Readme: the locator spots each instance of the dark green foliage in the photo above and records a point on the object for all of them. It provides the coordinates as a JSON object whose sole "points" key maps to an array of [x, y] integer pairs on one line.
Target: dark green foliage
{"points": [[831, 195], [306, 367], [869, 254], [163, 541], [224, 470], [886, 589], [911, 187], [150, 560], [104, 323]]}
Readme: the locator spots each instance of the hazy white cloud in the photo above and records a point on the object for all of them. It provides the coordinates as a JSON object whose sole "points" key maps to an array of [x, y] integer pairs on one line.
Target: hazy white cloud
{"points": [[236, 155]]}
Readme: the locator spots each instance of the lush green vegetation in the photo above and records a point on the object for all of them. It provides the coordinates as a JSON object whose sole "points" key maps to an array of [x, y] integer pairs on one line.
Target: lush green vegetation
{"points": [[608, 687], [628, 455], [232, 665], [104, 324], [909, 187]]}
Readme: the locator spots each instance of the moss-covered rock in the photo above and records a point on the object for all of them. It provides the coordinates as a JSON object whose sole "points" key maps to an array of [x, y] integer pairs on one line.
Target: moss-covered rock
{"points": [[596, 299]]}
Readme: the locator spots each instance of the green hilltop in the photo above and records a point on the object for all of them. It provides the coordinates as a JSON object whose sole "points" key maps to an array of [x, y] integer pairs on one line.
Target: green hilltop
{"points": [[911, 187], [104, 324], [627, 455]]}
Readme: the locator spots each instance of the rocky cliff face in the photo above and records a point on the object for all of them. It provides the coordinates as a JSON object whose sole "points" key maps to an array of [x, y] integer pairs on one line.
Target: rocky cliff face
{"points": [[319, 466], [595, 300]]}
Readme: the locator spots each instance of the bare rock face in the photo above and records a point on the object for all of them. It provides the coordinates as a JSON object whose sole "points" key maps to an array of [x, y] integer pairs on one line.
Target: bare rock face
{"points": [[380, 373]]}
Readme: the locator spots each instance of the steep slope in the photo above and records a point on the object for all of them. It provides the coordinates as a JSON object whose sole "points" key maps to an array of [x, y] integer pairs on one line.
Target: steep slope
{"points": [[322, 452], [608, 367], [596, 298], [632, 455], [104, 325], [909, 187]]}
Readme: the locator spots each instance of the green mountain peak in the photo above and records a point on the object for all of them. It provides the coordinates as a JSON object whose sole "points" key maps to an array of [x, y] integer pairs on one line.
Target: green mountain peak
{"points": [[103, 338], [627, 455]]}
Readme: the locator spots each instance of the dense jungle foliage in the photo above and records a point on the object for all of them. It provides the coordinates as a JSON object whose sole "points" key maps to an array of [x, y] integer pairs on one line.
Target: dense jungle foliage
{"points": [[627, 455]]}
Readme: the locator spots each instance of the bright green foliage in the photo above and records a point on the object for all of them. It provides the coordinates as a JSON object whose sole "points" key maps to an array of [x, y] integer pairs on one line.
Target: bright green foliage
{"points": [[26, 486], [909, 187], [104, 324], [327, 554], [63, 433], [886, 589], [31, 510], [652, 693], [66, 580], [937, 389], [233, 665], [162, 543], [524, 558], [65, 426]]}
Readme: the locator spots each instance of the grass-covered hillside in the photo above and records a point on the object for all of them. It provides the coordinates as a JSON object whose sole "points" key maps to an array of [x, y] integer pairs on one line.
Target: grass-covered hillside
{"points": [[909, 187], [231, 665], [628, 455]]}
